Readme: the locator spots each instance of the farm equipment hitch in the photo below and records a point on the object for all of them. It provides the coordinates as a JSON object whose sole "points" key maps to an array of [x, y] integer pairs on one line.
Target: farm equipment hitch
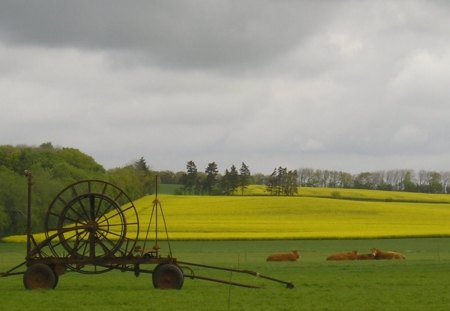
{"points": [[257, 274]]}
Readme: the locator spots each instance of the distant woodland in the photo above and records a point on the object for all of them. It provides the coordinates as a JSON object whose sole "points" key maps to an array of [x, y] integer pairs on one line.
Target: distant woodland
{"points": [[53, 168]]}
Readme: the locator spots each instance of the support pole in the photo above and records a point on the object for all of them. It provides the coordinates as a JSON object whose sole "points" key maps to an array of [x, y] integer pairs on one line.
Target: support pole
{"points": [[30, 183], [156, 206]]}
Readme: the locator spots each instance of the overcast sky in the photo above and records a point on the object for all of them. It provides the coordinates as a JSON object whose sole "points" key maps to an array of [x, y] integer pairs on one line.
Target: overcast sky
{"points": [[340, 85]]}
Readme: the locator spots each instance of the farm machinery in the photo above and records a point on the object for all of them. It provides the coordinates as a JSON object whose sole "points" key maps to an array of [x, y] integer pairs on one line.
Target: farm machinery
{"points": [[92, 227]]}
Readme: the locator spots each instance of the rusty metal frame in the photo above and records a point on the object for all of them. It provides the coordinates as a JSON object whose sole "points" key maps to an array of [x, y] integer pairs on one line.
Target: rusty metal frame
{"points": [[130, 262]]}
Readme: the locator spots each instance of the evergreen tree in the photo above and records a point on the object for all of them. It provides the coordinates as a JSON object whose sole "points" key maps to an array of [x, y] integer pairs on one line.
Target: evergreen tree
{"points": [[282, 182], [244, 177], [234, 179], [230, 181], [141, 165], [145, 176], [271, 183], [190, 179], [225, 183], [210, 183]]}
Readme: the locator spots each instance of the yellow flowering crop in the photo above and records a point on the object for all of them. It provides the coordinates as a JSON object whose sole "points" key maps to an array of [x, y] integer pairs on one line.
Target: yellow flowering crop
{"points": [[315, 213]]}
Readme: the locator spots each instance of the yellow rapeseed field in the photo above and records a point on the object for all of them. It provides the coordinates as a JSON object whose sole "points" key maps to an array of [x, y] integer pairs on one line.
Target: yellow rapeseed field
{"points": [[315, 213], [263, 217]]}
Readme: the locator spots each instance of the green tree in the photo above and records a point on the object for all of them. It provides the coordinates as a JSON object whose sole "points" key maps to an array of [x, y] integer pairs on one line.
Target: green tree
{"points": [[225, 183], [364, 181], [126, 179], [290, 185], [434, 182], [145, 176], [282, 182], [244, 177], [230, 181], [169, 177], [141, 165], [408, 184], [234, 179], [210, 182], [272, 183], [5, 221], [189, 180]]}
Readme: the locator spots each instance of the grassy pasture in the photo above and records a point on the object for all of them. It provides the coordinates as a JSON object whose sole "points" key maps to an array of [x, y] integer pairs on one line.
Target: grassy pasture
{"points": [[419, 283], [239, 232]]}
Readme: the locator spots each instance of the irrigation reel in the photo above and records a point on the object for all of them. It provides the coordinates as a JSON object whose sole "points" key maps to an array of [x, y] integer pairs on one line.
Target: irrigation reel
{"points": [[92, 227]]}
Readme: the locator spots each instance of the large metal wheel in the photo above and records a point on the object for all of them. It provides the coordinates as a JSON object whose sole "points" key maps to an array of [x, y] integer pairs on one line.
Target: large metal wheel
{"points": [[168, 276], [92, 219], [40, 276]]}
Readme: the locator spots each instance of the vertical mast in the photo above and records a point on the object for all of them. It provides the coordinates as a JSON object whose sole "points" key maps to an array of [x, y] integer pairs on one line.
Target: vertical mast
{"points": [[156, 215], [30, 183]]}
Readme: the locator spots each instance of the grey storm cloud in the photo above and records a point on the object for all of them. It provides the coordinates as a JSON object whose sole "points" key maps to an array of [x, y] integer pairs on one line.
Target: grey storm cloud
{"points": [[168, 33], [345, 85]]}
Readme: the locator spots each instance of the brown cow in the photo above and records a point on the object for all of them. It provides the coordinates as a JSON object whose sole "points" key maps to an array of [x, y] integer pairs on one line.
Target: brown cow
{"points": [[353, 255], [378, 254], [293, 256], [365, 256]]}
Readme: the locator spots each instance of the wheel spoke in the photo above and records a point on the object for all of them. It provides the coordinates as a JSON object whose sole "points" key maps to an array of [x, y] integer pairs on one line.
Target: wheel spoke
{"points": [[85, 249], [116, 199], [106, 250], [72, 208], [64, 202], [117, 225], [65, 239], [92, 209], [73, 220], [119, 213], [83, 209], [101, 201], [80, 241], [110, 232]]}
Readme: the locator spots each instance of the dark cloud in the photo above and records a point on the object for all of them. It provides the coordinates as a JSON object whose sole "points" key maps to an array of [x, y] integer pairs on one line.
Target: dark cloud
{"points": [[352, 85], [193, 34]]}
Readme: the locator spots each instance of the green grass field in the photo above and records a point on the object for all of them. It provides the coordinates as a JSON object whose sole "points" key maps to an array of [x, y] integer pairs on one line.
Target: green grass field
{"points": [[241, 231], [420, 282]]}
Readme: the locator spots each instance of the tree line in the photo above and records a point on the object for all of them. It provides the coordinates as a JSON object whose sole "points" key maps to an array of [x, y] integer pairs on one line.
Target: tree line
{"points": [[210, 182], [391, 180], [54, 168]]}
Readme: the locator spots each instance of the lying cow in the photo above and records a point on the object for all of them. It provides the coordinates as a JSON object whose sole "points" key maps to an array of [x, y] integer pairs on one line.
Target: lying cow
{"points": [[353, 255], [378, 254], [365, 256], [293, 256]]}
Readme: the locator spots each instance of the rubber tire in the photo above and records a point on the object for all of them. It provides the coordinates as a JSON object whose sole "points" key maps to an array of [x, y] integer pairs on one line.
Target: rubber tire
{"points": [[168, 276], [40, 276]]}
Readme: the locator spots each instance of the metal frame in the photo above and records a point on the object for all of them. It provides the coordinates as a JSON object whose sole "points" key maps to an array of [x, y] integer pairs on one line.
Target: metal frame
{"points": [[82, 230]]}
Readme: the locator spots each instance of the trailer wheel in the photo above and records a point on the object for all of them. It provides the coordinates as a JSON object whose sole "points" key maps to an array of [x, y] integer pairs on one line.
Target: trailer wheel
{"points": [[168, 276], [40, 276]]}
